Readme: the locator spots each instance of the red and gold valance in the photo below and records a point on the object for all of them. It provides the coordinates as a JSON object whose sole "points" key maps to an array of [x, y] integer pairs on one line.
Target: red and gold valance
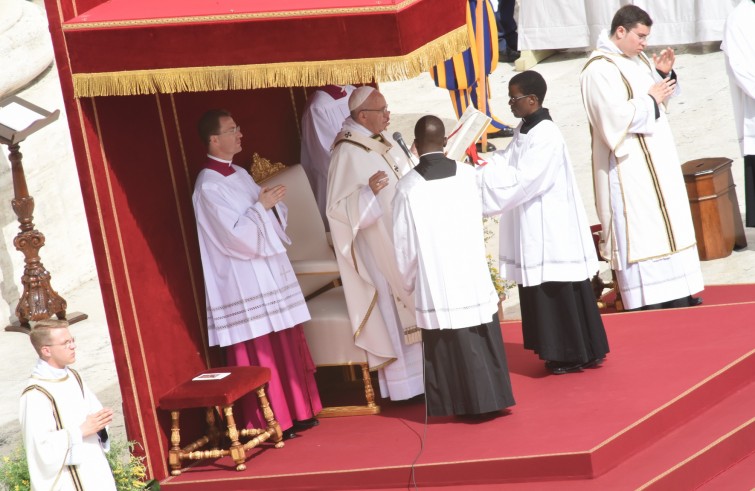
{"points": [[171, 46]]}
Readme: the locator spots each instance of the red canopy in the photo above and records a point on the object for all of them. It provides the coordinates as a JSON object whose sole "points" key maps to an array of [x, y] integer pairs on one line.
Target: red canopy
{"points": [[173, 46]]}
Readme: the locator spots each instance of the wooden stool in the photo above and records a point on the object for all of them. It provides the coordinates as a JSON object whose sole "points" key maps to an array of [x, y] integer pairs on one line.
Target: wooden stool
{"points": [[208, 390], [715, 211]]}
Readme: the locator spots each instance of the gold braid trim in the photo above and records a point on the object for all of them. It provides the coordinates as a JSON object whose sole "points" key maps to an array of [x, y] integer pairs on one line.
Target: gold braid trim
{"points": [[159, 21], [260, 76]]}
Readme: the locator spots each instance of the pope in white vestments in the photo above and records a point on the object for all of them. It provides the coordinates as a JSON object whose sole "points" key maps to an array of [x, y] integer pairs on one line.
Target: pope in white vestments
{"points": [[647, 231], [440, 252], [254, 302], [327, 108], [364, 169], [739, 46], [63, 424]]}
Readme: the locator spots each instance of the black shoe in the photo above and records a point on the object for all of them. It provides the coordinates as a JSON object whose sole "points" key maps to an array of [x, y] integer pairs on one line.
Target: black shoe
{"points": [[490, 147], [502, 133], [306, 424], [594, 363], [509, 55], [688, 301], [289, 434], [562, 367]]}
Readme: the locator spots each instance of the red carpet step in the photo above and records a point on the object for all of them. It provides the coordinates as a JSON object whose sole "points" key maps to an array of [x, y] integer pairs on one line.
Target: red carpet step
{"points": [[646, 409]]}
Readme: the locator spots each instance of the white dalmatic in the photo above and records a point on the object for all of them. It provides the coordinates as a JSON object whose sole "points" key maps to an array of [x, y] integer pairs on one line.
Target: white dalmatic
{"points": [[51, 412], [640, 194]]}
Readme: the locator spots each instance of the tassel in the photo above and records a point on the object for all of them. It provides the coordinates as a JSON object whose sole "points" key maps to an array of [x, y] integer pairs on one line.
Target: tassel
{"points": [[245, 77]]}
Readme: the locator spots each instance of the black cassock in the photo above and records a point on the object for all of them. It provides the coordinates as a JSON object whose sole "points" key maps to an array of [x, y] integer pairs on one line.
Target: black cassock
{"points": [[561, 322], [466, 372]]}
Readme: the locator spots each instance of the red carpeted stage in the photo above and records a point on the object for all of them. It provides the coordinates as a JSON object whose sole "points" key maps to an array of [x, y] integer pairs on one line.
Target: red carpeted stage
{"points": [[672, 408]]}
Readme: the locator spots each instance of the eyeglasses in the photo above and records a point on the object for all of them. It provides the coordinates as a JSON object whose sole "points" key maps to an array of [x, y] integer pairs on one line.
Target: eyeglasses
{"points": [[514, 99], [233, 130], [69, 343], [642, 37], [381, 110]]}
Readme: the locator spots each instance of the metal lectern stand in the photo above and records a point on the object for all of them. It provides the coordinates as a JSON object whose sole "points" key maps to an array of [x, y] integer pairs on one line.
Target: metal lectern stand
{"points": [[38, 301]]}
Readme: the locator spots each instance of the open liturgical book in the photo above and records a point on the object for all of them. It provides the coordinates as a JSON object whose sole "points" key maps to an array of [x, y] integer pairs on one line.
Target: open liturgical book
{"points": [[468, 130]]}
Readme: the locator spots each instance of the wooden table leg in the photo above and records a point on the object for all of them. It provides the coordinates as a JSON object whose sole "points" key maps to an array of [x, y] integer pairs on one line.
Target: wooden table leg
{"points": [[237, 449], [213, 433], [267, 413], [174, 456]]}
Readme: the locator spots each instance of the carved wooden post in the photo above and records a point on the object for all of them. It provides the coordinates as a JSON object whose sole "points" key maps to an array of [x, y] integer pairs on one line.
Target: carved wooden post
{"points": [[38, 301]]}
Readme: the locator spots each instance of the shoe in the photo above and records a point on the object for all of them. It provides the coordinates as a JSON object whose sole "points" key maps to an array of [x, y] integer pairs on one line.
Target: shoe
{"points": [[506, 132], [306, 424], [489, 148], [561, 367], [679, 303], [594, 363], [509, 55], [289, 434]]}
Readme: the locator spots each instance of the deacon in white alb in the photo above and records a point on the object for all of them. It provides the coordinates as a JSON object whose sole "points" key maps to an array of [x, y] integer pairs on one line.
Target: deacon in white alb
{"points": [[647, 232], [63, 424], [364, 169]]}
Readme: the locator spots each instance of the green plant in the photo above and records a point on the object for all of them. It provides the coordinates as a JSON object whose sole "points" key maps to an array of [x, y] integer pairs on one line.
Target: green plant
{"points": [[14, 473], [502, 286], [129, 471]]}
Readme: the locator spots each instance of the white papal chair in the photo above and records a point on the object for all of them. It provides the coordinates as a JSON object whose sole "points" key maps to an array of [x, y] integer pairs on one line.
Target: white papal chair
{"points": [[329, 334]]}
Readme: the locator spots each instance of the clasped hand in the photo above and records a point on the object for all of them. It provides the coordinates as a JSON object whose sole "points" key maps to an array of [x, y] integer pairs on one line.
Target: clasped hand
{"points": [[663, 89], [96, 421], [270, 197], [378, 181]]}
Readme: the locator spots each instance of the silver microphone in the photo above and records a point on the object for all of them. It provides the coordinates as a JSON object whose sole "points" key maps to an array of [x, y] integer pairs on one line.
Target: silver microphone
{"points": [[401, 143]]}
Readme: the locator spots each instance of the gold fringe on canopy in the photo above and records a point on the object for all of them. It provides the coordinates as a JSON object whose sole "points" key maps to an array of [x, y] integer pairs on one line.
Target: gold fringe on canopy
{"points": [[244, 77]]}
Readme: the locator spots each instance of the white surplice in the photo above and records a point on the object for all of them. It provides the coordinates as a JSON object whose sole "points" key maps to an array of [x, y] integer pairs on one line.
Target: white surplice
{"points": [[57, 453], [739, 47], [647, 231], [532, 183], [361, 225], [250, 286], [321, 121], [440, 252]]}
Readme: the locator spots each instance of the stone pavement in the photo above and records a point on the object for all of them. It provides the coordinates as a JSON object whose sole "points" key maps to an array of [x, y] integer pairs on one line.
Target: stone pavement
{"points": [[701, 119]]}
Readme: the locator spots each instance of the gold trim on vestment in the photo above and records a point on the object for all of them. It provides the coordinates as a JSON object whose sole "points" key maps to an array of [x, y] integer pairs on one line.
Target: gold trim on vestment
{"points": [[265, 75], [53, 380], [159, 21], [129, 288]]}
